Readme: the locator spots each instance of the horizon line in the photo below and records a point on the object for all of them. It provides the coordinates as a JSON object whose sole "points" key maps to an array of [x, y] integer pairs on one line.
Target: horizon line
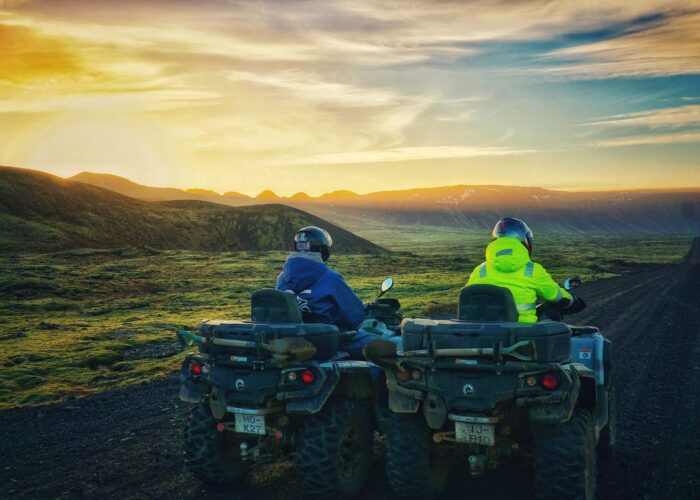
{"points": [[567, 189]]}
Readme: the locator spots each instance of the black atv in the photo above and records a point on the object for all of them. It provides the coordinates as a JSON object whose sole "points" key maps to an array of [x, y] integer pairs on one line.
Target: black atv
{"points": [[485, 387], [274, 385]]}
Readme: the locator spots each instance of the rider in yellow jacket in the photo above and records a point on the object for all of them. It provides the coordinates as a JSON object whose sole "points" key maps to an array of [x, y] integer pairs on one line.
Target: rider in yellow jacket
{"points": [[508, 265]]}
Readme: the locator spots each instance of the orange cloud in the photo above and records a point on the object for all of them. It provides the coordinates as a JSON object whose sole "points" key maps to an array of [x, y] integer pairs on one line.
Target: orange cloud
{"points": [[27, 55]]}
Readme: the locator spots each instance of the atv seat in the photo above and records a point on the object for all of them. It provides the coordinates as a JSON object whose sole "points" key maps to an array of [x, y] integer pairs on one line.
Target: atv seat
{"points": [[274, 306], [486, 303]]}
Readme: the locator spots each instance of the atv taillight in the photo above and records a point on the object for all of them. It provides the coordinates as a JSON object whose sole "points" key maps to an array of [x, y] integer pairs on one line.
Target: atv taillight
{"points": [[196, 368], [308, 377], [550, 382]]}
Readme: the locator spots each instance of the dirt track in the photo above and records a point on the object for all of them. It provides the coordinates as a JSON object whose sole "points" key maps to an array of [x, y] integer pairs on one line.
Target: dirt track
{"points": [[126, 443]]}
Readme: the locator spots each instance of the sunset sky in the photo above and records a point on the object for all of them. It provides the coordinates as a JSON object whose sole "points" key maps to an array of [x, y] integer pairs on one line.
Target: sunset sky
{"points": [[319, 95]]}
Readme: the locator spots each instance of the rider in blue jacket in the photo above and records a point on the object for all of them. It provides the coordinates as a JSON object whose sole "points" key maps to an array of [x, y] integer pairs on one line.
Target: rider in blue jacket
{"points": [[323, 294]]}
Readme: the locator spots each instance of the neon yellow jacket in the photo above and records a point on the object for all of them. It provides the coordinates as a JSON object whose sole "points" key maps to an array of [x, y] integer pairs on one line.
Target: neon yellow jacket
{"points": [[508, 265]]}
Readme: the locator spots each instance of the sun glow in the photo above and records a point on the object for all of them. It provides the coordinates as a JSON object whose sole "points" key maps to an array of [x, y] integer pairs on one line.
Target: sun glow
{"points": [[73, 142]]}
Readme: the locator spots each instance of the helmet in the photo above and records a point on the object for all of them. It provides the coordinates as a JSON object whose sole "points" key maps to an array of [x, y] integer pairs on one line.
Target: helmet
{"points": [[313, 239], [513, 228]]}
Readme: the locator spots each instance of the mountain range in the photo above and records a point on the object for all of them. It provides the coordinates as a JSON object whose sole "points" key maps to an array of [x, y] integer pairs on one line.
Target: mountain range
{"points": [[465, 206], [42, 212]]}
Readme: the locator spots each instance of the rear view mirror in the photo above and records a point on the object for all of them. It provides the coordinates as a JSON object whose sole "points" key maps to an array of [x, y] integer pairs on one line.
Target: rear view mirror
{"points": [[572, 282], [387, 284]]}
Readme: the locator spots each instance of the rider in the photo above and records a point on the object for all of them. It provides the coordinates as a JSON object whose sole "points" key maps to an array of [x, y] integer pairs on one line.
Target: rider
{"points": [[508, 265], [323, 294]]}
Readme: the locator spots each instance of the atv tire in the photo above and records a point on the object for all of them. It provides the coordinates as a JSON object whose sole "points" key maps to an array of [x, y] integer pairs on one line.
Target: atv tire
{"points": [[565, 458], [208, 454], [334, 451], [413, 469]]}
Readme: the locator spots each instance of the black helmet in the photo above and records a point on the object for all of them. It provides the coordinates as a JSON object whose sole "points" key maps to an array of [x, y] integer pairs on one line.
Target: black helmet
{"points": [[313, 239], [513, 228]]}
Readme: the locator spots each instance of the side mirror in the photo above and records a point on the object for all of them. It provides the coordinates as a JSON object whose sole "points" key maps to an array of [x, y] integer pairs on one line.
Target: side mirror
{"points": [[387, 284], [572, 282]]}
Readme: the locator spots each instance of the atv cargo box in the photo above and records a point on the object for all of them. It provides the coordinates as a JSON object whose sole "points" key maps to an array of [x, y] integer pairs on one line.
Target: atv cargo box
{"points": [[552, 339], [324, 337]]}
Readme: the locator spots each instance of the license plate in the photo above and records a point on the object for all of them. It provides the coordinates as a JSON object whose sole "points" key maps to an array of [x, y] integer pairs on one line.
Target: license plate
{"points": [[250, 424], [474, 433]]}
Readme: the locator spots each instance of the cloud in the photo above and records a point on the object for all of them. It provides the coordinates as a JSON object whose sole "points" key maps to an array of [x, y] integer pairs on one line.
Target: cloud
{"points": [[670, 47], [408, 153], [650, 139], [464, 116], [655, 126], [680, 116], [27, 56], [313, 87]]}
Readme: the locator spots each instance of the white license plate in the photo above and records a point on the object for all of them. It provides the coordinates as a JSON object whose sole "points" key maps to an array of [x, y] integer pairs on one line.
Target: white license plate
{"points": [[475, 433], [250, 424]]}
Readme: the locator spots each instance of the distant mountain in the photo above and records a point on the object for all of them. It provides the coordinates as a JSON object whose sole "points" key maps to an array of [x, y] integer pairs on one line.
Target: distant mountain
{"points": [[147, 193], [300, 197], [41, 212], [267, 195], [477, 207]]}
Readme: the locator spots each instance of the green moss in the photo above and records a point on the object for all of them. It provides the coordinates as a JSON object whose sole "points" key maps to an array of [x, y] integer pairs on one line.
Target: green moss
{"points": [[116, 315]]}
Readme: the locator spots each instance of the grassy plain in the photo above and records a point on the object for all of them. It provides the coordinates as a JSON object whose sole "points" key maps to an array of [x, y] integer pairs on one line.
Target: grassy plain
{"points": [[78, 322]]}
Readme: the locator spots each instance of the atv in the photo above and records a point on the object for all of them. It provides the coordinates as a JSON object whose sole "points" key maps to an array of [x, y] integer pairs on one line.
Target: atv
{"points": [[275, 384], [486, 388]]}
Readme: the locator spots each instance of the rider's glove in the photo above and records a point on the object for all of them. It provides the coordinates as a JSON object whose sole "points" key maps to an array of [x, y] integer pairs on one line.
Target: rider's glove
{"points": [[577, 305]]}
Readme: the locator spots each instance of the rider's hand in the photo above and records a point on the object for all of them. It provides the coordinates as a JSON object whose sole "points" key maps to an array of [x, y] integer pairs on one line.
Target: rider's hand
{"points": [[576, 306]]}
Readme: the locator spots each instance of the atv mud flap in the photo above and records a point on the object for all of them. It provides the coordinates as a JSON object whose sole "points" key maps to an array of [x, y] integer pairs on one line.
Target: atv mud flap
{"points": [[402, 400], [311, 405], [556, 407], [191, 391]]}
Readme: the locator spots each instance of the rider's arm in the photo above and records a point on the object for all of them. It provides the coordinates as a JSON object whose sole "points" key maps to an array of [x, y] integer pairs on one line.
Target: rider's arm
{"points": [[281, 284], [548, 289], [350, 311]]}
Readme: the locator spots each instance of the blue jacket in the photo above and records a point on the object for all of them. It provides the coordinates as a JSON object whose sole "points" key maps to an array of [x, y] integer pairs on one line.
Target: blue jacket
{"points": [[323, 294]]}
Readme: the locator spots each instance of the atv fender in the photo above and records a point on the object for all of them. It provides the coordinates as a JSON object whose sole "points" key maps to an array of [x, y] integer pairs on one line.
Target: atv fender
{"points": [[559, 406], [309, 406]]}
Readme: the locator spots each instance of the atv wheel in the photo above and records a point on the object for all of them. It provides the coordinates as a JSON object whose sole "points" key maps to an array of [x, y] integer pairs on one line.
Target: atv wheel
{"points": [[565, 458], [335, 450], [413, 468], [208, 455]]}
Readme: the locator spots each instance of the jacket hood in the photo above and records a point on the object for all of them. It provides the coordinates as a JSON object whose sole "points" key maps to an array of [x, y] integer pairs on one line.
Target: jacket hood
{"points": [[507, 254], [301, 271]]}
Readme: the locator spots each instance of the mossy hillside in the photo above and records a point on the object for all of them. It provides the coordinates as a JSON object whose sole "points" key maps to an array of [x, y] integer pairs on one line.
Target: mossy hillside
{"points": [[82, 321]]}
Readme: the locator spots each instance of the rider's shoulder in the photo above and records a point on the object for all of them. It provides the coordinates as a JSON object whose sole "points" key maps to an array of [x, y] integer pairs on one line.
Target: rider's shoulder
{"points": [[538, 268], [330, 274]]}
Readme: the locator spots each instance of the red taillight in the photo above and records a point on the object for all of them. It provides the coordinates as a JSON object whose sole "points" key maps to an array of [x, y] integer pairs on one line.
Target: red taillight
{"points": [[196, 368], [550, 382], [308, 377]]}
